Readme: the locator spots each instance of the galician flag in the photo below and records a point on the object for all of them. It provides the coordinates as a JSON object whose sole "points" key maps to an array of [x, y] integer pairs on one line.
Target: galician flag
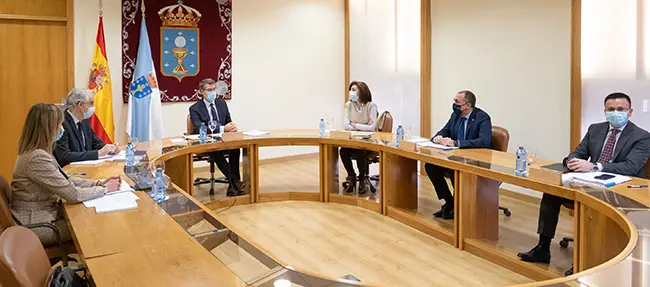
{"points": [[100, 84], [144, 120]]}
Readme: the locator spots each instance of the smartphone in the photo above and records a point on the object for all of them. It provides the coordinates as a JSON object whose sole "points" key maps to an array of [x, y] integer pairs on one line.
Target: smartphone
{"points": [[604, 176]]}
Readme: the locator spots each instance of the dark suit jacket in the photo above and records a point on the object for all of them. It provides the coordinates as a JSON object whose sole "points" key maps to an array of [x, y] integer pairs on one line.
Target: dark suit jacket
{"points": [[199, 114], [478, 133], [68, 148], [630, 154]]}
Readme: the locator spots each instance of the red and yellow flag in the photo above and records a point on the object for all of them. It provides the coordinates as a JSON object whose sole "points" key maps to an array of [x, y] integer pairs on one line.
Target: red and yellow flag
{"points": [[100, 83]]}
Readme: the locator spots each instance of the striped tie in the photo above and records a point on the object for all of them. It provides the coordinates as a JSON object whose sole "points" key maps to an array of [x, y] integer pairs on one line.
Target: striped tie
{"points": [[608, 151]]}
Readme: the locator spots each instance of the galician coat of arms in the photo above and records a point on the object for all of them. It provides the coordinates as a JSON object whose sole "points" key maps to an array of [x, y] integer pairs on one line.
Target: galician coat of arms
{"points": [[179, 41]]}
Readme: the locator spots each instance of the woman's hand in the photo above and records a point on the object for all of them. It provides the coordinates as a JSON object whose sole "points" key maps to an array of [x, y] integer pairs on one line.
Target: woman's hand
{"points": [[112, 185], [112, 178]]}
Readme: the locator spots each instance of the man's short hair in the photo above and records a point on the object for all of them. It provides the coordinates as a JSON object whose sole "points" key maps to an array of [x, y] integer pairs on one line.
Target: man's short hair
{"points": [[469, 97], [205, 82], [618, 95], [76, 96]]}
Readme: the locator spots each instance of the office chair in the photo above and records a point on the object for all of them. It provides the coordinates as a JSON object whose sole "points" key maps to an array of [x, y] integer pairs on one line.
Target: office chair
{"points": [[386, 126], [564, 243], [500, 140], [56, 252], [204, 157]]}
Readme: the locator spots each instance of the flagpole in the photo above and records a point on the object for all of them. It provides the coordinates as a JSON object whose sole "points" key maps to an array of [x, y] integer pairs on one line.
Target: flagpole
{"points": [[101, 7]]}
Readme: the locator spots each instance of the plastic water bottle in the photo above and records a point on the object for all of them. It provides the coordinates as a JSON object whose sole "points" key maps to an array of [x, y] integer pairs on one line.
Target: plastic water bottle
{"points": [[159, 186], [322, 127], [130, 154], [400, 135], [203, 133], [522, 160]]}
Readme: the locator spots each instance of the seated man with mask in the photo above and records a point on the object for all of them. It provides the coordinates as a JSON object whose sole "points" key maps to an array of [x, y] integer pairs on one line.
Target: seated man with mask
{"points": [[211, 109], [468, 127], [615, 146], [79, 142]]}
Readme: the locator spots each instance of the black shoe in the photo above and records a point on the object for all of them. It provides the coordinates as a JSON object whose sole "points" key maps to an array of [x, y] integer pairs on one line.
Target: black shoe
{"points": [[349, 184], [234, 190], [441, 211], [569, 271], [537, 254], [448, 213], [363, 186]]}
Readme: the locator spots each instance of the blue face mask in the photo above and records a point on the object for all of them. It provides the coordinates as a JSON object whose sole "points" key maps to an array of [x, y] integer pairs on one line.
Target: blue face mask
{"points": [[617, 119], [212, 96], [455, 108], [60, 135], [89, 113], [353, 96]]}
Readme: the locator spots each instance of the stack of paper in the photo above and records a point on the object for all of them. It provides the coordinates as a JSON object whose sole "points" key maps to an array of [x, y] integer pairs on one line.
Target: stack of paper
{"points": [[120, 157], [196, 137], [123, 199], [362, 135], [256, 133], [590, 177], [89, 162], [422, 142]]}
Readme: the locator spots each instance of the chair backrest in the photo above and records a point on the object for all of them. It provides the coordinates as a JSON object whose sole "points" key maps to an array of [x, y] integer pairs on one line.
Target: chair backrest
{"points": [[500, 138], [190, 126], [23, 261], [5, 198], [647, 168], [387, 125]]}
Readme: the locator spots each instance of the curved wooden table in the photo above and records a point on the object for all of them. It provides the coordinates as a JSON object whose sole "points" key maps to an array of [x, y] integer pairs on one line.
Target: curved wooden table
{"points": [[151, 246]]}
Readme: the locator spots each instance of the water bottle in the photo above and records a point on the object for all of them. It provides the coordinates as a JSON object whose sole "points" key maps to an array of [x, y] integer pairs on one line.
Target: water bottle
{"points": [[522, 160], [203, 133], [322, 127], [400, 134], [130, 154], [159, 186]]}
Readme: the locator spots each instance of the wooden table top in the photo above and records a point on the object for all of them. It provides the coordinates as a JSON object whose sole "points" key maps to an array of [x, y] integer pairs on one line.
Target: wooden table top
{"points": [[146, 246]]}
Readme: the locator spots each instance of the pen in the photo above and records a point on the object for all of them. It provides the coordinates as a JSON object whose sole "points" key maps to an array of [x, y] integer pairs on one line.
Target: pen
{"points": [[637, 186]]}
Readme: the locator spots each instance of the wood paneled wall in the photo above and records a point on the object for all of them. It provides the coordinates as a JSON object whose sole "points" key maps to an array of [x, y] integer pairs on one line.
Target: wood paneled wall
{"points": [[36, 64]]}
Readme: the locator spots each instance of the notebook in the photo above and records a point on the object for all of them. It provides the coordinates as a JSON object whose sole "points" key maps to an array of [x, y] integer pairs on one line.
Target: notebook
{"points": [[590, 177]]}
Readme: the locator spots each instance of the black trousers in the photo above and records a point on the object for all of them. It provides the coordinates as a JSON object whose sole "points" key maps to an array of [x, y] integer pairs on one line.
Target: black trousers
{"points": [[549, 213], [437, 176], [360, 155], [230, 167]]}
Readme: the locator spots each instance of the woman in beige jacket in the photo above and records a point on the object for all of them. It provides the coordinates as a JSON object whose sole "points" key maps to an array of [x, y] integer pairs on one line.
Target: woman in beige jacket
{"points": [[38, 181]]}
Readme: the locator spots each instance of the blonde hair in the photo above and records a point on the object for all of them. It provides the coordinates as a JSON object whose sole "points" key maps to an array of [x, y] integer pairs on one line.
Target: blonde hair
{"points": [[40, 128]]}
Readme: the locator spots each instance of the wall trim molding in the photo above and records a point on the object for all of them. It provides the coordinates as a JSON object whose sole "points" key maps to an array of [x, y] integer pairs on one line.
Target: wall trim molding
{"points": [[576, 74]]}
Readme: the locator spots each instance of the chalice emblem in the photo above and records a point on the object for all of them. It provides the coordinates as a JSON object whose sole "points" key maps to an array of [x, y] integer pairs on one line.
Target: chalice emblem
{"points": [[180, 52]]}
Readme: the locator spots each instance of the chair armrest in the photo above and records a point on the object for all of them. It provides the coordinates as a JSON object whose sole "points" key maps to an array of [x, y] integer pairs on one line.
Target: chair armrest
{"points": [[64, 256]]}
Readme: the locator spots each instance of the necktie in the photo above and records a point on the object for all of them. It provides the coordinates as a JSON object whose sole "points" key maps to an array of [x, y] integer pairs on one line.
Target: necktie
{"points": [[82, 140], [608, 150], [461, 129], [215, 115]]}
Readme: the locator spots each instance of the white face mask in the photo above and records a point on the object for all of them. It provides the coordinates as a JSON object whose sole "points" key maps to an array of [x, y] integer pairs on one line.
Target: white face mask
{"points": [[353, 96]]}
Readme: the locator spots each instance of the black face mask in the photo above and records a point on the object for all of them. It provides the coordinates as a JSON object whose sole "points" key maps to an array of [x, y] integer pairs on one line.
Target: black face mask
{"points": [[455, 108]]}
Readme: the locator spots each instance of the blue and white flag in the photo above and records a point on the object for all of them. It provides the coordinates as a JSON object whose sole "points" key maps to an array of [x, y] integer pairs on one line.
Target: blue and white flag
{"points": [[144, 120]]}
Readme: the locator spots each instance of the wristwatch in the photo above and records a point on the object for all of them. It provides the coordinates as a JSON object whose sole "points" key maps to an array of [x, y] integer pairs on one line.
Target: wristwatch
{"points": [[456, 143], [595, 167]]}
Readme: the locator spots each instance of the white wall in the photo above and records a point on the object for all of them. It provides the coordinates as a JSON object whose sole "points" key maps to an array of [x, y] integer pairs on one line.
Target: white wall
{"points": [[288, 65], [515, 56]]}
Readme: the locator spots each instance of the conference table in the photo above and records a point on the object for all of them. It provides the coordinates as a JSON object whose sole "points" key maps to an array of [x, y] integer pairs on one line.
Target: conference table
{"points": [[154, 245]]}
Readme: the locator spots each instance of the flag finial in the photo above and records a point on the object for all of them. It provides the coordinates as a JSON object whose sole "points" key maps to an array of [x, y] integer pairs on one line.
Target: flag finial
{"points": [[142, 8], [101, 7]]}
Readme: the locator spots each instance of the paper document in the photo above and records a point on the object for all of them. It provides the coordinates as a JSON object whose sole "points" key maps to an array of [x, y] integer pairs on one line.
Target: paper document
{"points": [[437, 146], [590, 177], [89, 162], [120, 157], [256, 133], [114, 201], [196, 137], [180, 140], [362, 135], [418, 140]]}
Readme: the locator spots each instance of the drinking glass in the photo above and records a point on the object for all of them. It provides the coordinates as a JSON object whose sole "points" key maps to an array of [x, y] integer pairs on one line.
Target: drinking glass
{"points": [[532, 155], [212, 126]]}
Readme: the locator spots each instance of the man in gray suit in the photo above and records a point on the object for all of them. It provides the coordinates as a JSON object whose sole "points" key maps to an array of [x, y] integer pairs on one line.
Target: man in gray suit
{"points": [[616, 146]]}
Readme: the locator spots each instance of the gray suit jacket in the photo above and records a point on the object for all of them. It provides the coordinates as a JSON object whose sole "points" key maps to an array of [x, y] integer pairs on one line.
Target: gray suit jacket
{"points": [[630, 154]]}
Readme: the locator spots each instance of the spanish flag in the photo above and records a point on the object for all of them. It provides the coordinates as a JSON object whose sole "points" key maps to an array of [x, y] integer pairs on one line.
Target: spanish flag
{"points": [[100, 83]]}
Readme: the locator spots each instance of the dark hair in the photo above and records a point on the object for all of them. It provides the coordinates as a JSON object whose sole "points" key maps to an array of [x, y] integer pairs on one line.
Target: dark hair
{"points": [[205, 82], [618, 95], [469, 97], [364, 92]]}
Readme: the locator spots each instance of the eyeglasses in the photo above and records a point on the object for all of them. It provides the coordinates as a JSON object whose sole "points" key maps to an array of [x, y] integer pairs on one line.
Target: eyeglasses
{"points": [[619, 109]]}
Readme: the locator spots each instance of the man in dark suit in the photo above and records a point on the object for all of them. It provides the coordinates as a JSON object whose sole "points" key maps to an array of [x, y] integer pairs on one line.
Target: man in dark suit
{"points": [[468, 127], [208, 109], [79, 142], [616, 146]]}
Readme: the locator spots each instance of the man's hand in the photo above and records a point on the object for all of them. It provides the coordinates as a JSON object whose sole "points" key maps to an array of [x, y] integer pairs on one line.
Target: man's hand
{"points": [[447, 142], [105, 150], [113, 149], [437, 139], [580, 165], [230, 127]]}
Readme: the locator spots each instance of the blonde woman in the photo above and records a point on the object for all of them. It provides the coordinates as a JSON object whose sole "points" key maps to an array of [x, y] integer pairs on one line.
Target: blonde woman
{"points": [[38, 181]]}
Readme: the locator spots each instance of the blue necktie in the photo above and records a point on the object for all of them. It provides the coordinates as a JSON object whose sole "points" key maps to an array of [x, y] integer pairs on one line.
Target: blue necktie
{"points": [[461, 129]]}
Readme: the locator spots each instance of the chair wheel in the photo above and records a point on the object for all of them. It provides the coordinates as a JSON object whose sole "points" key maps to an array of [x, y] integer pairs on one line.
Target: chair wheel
{"points": [[507, 212], [564, 244]]}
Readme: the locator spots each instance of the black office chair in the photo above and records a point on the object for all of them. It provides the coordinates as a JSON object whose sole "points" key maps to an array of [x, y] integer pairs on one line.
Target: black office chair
{"points": [[204, 157]]}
